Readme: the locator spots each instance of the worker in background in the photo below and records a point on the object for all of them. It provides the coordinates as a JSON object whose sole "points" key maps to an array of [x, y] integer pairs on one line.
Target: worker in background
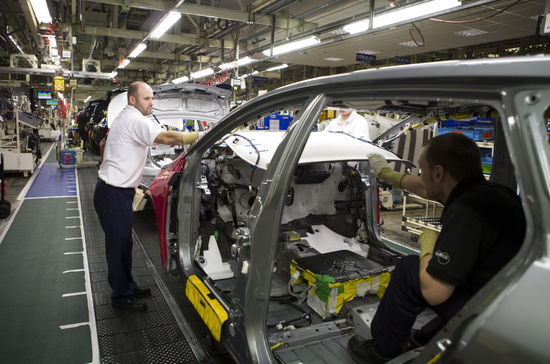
{"points": [[349, 122], [120, 173], [483, 227]]}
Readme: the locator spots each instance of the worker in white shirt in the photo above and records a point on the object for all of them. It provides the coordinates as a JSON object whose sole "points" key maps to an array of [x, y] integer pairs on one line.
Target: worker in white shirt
{"points": [[350, 122], [118, 177]]}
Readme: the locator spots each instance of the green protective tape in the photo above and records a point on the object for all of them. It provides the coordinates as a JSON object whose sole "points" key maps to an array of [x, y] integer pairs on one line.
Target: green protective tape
{"points": [[323, 289]]}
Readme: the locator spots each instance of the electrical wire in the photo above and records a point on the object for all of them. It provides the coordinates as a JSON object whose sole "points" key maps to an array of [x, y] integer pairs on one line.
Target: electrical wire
{"points": [[257, 158], [478, 19], [419, 33]]}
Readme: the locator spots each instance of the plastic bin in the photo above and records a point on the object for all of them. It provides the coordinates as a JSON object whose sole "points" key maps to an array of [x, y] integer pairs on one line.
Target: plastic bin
{"points": [[67, 157], [477, 134]]}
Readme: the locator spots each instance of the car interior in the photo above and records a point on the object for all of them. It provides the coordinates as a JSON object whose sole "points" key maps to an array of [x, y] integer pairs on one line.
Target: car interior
{"points": [[334, 259]]}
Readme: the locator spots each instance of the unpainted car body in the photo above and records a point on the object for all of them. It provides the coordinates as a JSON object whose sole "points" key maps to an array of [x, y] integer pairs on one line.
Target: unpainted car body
{"points": [[235, 211], [173, 107]]}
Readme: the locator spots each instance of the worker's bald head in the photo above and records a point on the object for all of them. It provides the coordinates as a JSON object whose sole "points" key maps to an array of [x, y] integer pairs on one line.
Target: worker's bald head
{"points": [[140, 96], [135, 88]]}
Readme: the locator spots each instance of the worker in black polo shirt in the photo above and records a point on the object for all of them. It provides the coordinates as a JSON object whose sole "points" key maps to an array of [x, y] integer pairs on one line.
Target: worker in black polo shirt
{"points": [[483, 227]]}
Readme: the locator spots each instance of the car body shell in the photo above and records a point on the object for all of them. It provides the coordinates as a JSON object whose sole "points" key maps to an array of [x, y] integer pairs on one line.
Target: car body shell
{"points": [[518, 89]]}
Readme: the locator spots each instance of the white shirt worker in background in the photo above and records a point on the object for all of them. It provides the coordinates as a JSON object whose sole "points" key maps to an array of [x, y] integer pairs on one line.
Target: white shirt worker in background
{"points": [[350, 122]]}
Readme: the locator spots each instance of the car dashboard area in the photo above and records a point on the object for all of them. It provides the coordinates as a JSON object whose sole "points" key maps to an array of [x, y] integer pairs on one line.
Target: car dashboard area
{"points": [[323, 233]]}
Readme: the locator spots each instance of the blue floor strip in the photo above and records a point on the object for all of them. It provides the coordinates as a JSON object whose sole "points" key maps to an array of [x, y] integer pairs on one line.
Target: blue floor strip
{"points": [[53, 181]]}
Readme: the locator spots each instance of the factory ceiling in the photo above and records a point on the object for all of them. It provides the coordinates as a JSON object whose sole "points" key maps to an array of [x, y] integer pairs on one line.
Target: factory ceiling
{"points": [[93, 37]]}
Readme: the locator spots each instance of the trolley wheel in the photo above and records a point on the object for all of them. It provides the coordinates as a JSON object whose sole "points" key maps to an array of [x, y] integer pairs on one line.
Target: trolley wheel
{"points": [[5, 209]]}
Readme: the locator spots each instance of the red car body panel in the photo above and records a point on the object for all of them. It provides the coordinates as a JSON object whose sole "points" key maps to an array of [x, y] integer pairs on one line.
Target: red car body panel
{"points": [[159, 191]]}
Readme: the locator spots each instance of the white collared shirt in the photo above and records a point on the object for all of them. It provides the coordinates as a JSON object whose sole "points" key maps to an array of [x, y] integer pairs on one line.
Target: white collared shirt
{"points": [[355, 125], [126, 148]]}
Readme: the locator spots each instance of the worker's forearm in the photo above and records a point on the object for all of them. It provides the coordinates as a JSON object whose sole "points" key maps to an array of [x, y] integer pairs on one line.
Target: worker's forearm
{"points": [[176, 138], [414, 185]]}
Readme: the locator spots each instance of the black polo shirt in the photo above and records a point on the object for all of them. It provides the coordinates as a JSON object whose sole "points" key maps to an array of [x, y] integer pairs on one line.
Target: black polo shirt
{"points": [[483, 228]]}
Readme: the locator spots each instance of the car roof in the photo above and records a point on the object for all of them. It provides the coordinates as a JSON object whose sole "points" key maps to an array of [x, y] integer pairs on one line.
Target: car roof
{"points": [[320, 147]]}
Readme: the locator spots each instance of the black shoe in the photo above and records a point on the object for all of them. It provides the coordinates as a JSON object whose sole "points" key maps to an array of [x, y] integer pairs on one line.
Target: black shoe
{"points": [[363, 351], [130, 305], [417, 338], [142, 292]]}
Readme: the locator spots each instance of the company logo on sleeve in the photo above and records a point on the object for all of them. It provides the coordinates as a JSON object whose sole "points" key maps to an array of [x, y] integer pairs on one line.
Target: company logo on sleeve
{"points": [[442, 257]]}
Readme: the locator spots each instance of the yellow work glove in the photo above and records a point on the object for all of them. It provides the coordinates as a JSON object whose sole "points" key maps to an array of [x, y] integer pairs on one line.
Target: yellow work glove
{"points": [[427, 242], [383, 171]]}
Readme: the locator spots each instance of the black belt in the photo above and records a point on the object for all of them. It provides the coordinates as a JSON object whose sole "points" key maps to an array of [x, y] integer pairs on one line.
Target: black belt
{"points": [[101, 181]]}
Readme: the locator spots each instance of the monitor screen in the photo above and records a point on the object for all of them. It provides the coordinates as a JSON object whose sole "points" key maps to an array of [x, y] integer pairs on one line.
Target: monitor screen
{"points": [[44, 95], [51, 102]]}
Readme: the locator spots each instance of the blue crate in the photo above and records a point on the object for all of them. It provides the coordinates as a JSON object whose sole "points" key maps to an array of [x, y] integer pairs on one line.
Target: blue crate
{"points": [[474, 122], [67, 157], [274, 122], [477, 134]]}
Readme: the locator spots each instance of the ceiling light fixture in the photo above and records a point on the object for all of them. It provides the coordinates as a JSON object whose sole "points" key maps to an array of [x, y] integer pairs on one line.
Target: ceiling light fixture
{"points": [[240, 62], [137, 51], [167, 22], [41, 12], [357, 27], [202, 73], [181, 79], [88, 99], [16, 44], [401, 14], [414, 11], [113, 74], [276, 68], [292, 46], [123, 63]]}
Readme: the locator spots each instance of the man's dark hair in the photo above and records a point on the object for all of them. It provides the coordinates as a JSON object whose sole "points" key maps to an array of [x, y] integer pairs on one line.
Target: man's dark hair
{"points": [[458, 154]]}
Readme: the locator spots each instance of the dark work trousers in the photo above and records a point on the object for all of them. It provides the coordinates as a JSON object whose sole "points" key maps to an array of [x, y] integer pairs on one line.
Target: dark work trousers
{"points": [[113, 206], [402, 302]]}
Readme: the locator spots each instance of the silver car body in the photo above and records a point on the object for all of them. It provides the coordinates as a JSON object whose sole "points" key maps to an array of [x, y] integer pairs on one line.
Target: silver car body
{"points": [[505, 322], [173, 106]]}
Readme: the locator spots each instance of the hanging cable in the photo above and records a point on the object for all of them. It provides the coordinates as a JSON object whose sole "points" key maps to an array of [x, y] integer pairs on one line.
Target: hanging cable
{"points": [[419, 33]]}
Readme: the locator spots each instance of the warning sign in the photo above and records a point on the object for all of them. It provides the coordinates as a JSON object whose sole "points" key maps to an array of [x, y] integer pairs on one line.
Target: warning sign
{"points": [[59, 83]]}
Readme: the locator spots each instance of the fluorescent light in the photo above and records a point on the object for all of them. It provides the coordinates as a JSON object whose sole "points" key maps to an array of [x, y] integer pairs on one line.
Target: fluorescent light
{"points": [[244, 61], [124, 63], [411, 12], [170, 19], [402, 14], [41, 12], [357, 27], [228, 65], [292, 46], [15, 43], [88, 99], [240, 62], [181, 79], [276, 68], [113, 74], [136, 52], [251, 74], [202, 73]]}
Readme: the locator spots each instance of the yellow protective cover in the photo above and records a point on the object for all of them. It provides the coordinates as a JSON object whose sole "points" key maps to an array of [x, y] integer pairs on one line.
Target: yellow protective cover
{"points": [[207, 306]]}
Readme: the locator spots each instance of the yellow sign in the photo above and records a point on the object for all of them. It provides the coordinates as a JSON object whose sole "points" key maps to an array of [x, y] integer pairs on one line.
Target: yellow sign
{"points": [[72, 82], [59, 83]]}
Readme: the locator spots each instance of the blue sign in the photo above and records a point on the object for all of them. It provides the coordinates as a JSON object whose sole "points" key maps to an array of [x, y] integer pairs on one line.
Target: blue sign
{"points": [[256, 84], [402, 60], [260, 79], [365, 57]]}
